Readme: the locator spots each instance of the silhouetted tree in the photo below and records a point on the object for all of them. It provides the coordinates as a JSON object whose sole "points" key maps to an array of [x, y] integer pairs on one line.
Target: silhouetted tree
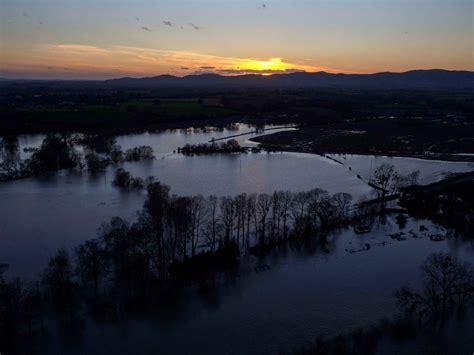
{"points": [[32, 306], [11, 295], [213, 222], [411, 179], [299, 212], [343, 201], [156, 207], [122, 178], [320, 210], [228, 218], [115, 237], [198, 214], [384, 180], [286, 201], [95, 163], [240, 204], [91, 265], [99, 143], [139, 153], [116, 154], [58, 280], [264, 202], [251, 213], [447, 282], [56, 152]]}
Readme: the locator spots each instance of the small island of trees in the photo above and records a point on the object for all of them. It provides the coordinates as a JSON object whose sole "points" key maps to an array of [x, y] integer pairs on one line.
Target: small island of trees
{"points": [[59, 151], [231, 146]]}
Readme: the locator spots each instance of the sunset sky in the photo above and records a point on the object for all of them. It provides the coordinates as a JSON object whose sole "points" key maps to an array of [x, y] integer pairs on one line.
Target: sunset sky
{"points": [[99, 39]]}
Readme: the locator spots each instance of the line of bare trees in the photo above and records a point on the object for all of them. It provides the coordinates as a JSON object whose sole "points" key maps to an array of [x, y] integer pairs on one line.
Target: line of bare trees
{"points": [[171, 233]]}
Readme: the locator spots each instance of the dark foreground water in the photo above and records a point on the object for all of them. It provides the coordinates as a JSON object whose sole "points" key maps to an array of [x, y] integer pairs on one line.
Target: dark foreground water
{"points": [[305, 293]]}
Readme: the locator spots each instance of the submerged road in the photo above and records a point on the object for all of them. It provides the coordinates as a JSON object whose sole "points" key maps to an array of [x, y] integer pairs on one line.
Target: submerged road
{"points": [[255, 131]]}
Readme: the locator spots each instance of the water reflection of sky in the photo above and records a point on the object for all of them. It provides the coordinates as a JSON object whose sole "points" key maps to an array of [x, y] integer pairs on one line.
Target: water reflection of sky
{"points": [[41, 214]]}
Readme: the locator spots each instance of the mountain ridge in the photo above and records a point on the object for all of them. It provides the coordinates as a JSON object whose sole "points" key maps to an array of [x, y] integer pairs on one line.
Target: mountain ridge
{"points": [[430, 78]]}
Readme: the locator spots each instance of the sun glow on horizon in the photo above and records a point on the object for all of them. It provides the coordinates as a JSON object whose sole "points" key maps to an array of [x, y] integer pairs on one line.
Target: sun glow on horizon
{"points": [[86, 61], [265, 65], [103, 39]]}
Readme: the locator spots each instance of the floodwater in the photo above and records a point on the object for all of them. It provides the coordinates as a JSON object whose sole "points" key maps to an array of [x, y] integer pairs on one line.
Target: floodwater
{"points": [[305, 291], [40, 215]]}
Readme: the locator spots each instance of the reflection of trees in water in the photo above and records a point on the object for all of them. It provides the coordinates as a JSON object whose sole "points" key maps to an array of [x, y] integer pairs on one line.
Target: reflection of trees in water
{"points": [[144, 267], [448, 283], [10, 161], [178, 241], [60, 151], [9, 145]]}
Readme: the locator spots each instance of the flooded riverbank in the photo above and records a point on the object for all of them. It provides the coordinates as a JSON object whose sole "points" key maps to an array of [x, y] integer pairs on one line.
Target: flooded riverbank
{"points": [[63, 209], [304, 291]]}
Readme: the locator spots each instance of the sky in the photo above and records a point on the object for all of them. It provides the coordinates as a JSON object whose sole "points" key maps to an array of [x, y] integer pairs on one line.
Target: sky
{"points": [[101, 39]]}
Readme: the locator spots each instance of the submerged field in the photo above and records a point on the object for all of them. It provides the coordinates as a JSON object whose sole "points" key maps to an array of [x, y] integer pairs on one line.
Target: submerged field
{"points": [[278, 300]]}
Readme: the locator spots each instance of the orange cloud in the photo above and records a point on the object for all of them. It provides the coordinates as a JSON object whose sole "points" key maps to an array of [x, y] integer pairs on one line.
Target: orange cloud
{"points": [[78, 48], [136, 61]]}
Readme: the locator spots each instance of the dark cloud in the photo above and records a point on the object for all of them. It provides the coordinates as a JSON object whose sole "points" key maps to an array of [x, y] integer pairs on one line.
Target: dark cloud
{"points": [[168, 23], [58, 68], [207, 67], [263, 7], [197, 28], [184, 68], [144, 28], [137, 19], [24, 14], [200, 72]]}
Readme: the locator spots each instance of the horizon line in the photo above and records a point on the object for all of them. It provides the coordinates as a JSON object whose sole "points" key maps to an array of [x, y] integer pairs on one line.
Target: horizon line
{"points": [[246, 74]]}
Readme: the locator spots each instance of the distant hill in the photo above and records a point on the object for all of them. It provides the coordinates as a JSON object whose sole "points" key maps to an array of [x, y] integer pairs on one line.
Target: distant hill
{"points": [[415, 79]]}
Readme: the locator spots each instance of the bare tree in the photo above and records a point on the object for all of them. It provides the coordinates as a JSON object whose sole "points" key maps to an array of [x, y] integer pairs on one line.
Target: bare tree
{"points": [[198, 215], [228, 218], [212, 226], [318, 207], [264, 203], [156, 207], [58, 279], [342, 201], [299, 212], [286, 204], [276, 216], [90, 262], [240, 203], [402, 181], [250, 215], [447, 282], [384, 180]]}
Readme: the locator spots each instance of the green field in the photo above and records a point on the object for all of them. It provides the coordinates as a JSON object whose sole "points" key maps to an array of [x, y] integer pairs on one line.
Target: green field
{"points": [[139, 113], [173, 108]]}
